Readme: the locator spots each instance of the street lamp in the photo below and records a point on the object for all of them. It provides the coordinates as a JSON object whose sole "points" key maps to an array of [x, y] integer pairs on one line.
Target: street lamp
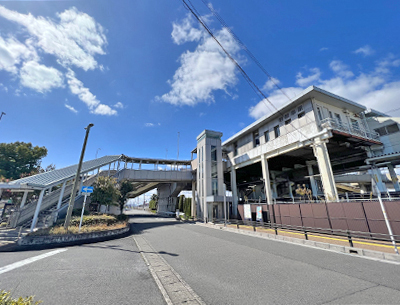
{"points": [[78, 172]]}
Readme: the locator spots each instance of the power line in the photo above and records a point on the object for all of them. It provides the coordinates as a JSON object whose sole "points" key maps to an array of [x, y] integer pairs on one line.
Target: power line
{"points": [[255, 88]]}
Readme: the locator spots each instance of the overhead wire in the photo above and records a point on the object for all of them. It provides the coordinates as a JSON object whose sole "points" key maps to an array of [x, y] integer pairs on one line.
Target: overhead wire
{"points": [[252, 84]]}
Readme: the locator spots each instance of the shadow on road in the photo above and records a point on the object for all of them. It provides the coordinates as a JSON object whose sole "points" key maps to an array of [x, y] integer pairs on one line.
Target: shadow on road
{"points": [[116, 247]]}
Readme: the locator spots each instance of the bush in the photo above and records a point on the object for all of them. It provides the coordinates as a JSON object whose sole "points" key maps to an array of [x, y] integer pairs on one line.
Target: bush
{"points": [[122, 217], [6, 299], [78, 212], [92, 220]]}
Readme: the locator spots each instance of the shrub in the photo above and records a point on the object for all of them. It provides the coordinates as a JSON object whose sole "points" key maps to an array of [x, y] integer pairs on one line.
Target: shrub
{"points": [[78, 212], [122, 217], [94, 220], [6, 299]]}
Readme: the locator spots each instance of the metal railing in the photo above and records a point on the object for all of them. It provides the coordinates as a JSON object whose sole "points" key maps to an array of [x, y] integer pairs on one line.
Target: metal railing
{"points": [[349, 235], [350, 129]]}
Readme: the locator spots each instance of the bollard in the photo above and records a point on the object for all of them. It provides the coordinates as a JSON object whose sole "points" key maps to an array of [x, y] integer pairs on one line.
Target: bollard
{"points": [[350, 240]]}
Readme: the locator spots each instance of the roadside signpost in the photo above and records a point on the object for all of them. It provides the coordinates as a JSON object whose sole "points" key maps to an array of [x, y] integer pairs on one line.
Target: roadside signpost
{"points": [[86, 190]]}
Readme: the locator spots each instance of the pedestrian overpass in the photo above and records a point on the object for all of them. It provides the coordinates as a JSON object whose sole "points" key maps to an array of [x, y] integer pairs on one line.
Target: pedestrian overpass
{"points": [[170, 177]]}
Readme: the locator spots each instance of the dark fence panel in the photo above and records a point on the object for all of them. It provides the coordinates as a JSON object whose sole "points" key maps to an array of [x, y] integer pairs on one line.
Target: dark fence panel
{"points": [[393, 212], [375, 218]]}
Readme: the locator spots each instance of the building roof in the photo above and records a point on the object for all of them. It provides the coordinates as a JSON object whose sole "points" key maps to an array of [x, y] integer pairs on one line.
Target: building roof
{"points": [[310, 92]]}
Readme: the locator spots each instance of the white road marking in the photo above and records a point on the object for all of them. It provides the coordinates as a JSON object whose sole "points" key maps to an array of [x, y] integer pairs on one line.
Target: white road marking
{"points": [[29, 260]]}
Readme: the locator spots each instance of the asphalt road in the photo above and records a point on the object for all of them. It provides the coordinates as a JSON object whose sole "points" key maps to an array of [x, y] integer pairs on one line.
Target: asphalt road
{"points": [[111, 272], [229, 268], [221, 267]]}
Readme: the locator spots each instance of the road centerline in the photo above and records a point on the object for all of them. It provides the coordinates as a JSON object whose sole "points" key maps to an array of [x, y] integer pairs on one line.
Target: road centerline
{"points": [[29, 260]]}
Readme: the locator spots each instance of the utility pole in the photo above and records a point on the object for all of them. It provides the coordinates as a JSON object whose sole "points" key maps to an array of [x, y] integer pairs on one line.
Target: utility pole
{"points": [[78, 172]]}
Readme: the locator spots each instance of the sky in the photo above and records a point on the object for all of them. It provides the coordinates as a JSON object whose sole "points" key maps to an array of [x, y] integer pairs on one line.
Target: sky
{"points": [[150, 79]]}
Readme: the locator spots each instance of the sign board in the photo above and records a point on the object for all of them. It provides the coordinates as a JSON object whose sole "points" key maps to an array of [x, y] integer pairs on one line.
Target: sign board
{"points": [[259, 214], [247, 212], [87, 190]]}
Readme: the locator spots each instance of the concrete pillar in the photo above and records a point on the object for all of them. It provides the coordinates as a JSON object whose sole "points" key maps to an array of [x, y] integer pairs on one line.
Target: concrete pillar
{"points": [[290, 189], [234, 192], [325, 170], [313, 184], [274, 186], [61, 195], [267, 181], [82, 177], [23, 199], [37, 210], [393, 176], [377, 180], [194, 198], [1, 192]]}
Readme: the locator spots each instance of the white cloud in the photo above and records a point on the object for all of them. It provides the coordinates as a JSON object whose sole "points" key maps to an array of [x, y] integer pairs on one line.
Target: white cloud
{"points": [[185, 31], [74, 40], [204, 70], [71, 108], [304, 81], [149, 125], [340, 69], [270, 84], [39, 77], [84, 94], [2, 87], [375, 89], [365, 50], [13, 52], [323, 49], [119, 105]]}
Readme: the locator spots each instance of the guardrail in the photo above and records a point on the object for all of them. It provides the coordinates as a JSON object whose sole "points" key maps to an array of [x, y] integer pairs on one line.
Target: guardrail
{"points": [[353, 129], [347, 234]]}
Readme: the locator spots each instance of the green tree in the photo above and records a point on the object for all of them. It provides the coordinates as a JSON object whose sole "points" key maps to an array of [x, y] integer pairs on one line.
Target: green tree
{"points": [[19, 159], [153, 204], [105, 191], [124, 188]]}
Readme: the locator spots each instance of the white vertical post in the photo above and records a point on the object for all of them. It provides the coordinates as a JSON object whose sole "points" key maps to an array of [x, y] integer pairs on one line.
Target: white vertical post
{"points": [[224, 204], [83, 210], [24, 199], [37, 210], [234, 191], [193, 199], [61, 195], [267, 182]]}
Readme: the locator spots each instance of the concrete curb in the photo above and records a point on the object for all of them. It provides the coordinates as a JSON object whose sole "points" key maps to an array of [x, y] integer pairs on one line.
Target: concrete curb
{"points": [[54, 241], [330, 247]]}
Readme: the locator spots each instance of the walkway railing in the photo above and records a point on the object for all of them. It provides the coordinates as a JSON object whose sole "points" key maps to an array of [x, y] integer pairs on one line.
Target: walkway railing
{"points": [[350, 129]]}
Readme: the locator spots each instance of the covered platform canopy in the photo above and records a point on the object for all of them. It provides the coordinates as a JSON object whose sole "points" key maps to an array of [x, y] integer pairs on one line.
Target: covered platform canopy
{"points": [[55, 177]]}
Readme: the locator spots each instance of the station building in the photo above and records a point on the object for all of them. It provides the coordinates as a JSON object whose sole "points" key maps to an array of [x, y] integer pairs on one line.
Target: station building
{"points": [[319, 142]]}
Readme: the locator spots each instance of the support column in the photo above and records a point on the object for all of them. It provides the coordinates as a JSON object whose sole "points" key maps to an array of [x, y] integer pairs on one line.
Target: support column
{"points": [[274, 186], [23, 199], [393, 175], [194, 198], [234, 193], [325, 169], [37, 210], [377, 179], [61, 195], [312, 179], [290, 189], [267, 181]]}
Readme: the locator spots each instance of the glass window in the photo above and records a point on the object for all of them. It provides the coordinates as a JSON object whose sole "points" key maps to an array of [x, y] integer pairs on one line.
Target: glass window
{"points": [[319, 113], [301, 114], [256, 139], [235, 149], [300, 108], [286, 115], [266, 136], [281, 119], [381, 131], [330, 114], [293, 112], [277, 131], [338, 118], [392, 128]]}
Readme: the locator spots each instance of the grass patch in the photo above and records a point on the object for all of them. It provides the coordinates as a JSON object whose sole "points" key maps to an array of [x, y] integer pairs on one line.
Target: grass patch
{"points": [[6, 299], [90, 224]]}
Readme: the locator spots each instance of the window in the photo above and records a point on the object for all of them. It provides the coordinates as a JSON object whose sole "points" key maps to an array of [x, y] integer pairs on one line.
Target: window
{"points": [[300, 108], [338, 118], [287, 115], [277, 131], [214, 170], [330, 114], [287, 122], [256, 139], [235, 149], [319, 113], [354, 124], [383, 131], [266, 136], [301, 114], [281, 119], [293, 112]]}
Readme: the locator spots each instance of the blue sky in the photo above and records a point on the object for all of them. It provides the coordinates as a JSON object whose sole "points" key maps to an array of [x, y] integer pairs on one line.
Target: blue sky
{"points": [[142, 71]]}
